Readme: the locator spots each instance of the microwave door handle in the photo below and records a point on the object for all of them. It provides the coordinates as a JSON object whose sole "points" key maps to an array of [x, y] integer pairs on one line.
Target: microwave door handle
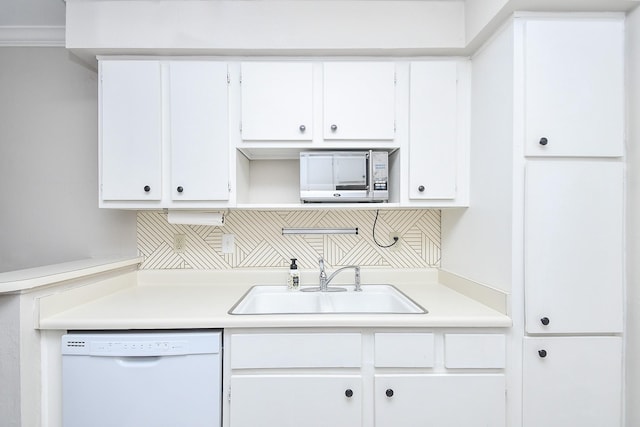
{"points": [[369, 172]]}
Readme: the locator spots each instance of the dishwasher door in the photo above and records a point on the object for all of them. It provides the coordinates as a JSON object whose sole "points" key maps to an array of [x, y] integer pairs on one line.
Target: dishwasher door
{"points": [[142, 379]]}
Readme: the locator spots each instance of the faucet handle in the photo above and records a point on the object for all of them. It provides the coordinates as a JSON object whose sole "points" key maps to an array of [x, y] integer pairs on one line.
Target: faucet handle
{"points": [[323, 275], [357, 279]]}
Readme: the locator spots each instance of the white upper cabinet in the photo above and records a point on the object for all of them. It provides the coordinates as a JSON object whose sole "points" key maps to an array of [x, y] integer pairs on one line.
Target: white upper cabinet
{"points": [[574, 87], [164, 134], [277, 101], [199, 134], [433, 130], [130, 130], [359, 100], [574, 213]]}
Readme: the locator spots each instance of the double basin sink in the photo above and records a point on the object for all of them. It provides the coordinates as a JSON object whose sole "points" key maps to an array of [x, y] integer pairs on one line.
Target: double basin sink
{"points": [[372, 299]]}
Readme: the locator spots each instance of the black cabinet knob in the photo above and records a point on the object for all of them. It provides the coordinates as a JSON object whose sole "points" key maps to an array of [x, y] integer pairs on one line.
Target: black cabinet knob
{"points": [[543, 141], [542, 353], [180, 189], [544, 321], [334, 127], [147, 188], [389, 392], [421, 188], [303, 128], [348, 392]]}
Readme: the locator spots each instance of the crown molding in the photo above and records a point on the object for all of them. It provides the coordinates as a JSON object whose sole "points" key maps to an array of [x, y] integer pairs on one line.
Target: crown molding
{"points": [[32, 36]]}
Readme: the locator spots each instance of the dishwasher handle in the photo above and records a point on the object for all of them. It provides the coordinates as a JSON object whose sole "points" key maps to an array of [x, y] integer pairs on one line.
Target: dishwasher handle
{"points": [[137, 361]]}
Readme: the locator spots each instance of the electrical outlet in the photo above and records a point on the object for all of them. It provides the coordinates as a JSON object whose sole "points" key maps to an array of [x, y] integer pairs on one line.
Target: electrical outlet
{"points": [[392, 236], [228, 243], [179, 243]]}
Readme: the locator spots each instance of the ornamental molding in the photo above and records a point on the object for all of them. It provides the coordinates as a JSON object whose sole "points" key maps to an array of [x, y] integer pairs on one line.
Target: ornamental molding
{"points": [[32, 36]]}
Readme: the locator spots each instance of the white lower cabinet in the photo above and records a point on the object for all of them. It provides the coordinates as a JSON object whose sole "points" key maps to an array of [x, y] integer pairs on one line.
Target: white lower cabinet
{"points": [[572, 381], [364, 378], [291, 400], [439, 400]]}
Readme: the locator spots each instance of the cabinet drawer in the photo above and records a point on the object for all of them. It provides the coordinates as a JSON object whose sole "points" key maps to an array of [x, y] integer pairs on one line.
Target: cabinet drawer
{"points": [[398, 350], [296, 351], [459, 400], [290, 400], [474, 351]]}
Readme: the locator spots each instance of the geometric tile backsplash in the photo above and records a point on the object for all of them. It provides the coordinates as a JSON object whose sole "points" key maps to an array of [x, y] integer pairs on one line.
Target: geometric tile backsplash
{"points": [[259, 241]]}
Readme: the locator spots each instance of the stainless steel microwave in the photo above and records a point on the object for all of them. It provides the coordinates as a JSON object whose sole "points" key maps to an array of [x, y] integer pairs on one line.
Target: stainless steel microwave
{"points": [[344, 176]]}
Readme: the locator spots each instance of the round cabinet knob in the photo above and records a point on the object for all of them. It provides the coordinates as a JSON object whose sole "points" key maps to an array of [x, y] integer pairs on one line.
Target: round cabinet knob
{"points": [[421, 188], [334, 128], [389, 392], [180, 189], [542, 353], [348, 392], [303, 128], [147, 188], [543, 141], [544, 321]]}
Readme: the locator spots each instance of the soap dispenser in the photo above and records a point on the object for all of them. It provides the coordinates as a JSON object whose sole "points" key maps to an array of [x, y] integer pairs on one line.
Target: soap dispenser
{"points": [[294, 275]]}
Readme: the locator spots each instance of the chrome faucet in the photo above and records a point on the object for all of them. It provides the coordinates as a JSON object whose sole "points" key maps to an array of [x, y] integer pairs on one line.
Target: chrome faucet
{"points": [[324, 280]]}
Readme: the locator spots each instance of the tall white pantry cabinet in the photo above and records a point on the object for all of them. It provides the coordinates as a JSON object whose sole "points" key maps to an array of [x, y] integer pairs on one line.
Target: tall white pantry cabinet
{"points": [[560, 79], [573, 117]]}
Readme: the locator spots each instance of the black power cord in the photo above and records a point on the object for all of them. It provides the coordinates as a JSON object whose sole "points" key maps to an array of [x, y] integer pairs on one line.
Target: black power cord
{"points": [[373, 233]]}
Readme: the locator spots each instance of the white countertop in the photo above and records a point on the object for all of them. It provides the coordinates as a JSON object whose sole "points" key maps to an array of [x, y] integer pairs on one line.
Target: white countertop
{"points": [[177, 300], [30, 278]]}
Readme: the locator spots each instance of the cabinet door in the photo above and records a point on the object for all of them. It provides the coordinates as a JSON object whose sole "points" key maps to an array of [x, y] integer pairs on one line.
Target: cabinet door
{"points": [[199, 130], [131, 130], [359, 100], [277, 101], [469, 400], [433, 130], [572, 381], [574, 246], [574, 87], [296, 400]]}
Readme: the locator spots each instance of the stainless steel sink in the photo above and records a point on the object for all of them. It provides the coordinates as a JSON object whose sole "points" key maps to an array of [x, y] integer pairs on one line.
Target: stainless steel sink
{"points": [[373, 299]]}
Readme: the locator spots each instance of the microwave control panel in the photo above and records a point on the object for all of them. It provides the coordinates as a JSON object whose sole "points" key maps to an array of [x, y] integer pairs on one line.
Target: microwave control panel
{"points": [[380, 170]]}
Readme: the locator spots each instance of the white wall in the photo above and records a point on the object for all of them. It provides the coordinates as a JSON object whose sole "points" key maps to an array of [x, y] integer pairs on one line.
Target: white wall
{"points": [[477, 242], [31, 12], [633, 221], [9, 361], [263, 26], [478, 13], [48, 164]]}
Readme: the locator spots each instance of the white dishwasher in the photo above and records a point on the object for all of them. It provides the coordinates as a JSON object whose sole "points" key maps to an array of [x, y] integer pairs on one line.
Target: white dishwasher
{"points": [[135, 379]]}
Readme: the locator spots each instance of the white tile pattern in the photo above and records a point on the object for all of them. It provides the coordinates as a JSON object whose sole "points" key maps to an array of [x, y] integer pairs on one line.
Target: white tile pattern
{"points": [[259, 241]]}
